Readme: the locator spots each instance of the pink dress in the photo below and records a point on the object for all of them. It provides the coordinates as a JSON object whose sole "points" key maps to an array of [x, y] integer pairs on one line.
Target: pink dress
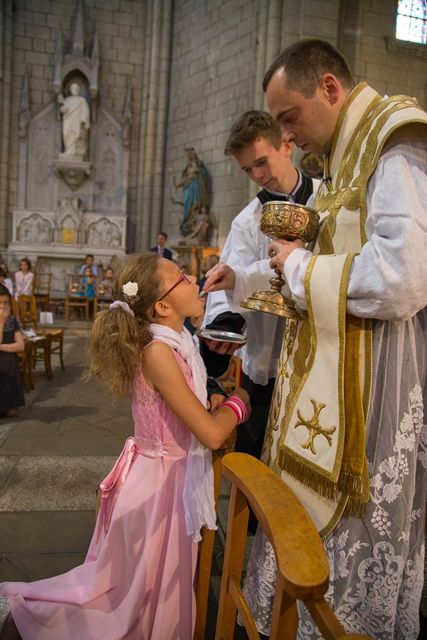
{"points": [[137, 579]]}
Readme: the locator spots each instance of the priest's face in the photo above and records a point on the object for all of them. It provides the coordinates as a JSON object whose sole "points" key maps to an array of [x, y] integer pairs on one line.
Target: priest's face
{"points": [[308, 122]]}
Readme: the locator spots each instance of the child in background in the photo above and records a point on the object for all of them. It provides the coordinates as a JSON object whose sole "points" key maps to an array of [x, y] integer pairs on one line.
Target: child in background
{"points": [[107, 284], [88, 289], [11, 342], [24, 279], [138, 577], [5, 278], [88, 281]]}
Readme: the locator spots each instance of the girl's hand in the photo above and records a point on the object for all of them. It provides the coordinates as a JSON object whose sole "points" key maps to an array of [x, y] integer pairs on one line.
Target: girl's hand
{"points": [[216, 401]]}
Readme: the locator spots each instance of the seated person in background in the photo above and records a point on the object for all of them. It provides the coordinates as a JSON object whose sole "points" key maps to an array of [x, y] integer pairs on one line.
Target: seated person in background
{"points": [[161, 247], [24, 279], [89, 262], [88, 289], [106, 285], [5, 277], [11, 342], [88, 284]]}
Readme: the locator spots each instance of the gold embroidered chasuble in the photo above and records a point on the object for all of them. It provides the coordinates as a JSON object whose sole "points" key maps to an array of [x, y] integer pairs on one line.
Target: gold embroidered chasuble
{"points": [[315, 437]]}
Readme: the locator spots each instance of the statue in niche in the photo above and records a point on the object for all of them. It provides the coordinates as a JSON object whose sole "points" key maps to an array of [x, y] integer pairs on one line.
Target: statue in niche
{"points": [[75, 123], [195, 196]]}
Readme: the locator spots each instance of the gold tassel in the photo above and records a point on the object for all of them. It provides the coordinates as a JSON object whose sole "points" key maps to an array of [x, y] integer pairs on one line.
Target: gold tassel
{"points": [[307, 476], [355, 487]]}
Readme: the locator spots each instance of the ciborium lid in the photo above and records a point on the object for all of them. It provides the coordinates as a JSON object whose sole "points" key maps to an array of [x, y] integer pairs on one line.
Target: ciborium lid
{"points": [[289, 220]]}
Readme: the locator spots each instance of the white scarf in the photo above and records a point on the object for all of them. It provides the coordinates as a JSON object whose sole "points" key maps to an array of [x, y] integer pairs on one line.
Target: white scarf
{"points": [[198, 493]]}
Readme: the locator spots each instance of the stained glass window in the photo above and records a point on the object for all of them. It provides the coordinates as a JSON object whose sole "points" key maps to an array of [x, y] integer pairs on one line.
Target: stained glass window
{"points": [[411, 23]]}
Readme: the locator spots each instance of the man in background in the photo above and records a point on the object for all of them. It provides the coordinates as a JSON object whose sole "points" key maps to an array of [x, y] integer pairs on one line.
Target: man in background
{"points": [[161, 247]]}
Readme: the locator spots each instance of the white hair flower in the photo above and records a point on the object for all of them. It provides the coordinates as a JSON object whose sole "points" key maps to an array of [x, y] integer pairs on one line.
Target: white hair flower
{"points": [[130, 289]]}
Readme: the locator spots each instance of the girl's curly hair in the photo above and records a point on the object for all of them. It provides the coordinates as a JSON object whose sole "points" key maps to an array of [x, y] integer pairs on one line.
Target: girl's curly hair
{"points": [[118, 338]]}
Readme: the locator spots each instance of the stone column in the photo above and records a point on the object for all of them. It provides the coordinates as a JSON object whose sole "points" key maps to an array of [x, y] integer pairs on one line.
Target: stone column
{"points": [[349, 30], [269, 44], [268, 47], [6, 30], [150, 174]]}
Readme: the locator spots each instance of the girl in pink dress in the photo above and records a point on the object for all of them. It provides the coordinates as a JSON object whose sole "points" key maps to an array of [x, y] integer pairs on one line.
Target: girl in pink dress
{"points": [[137, 582]]}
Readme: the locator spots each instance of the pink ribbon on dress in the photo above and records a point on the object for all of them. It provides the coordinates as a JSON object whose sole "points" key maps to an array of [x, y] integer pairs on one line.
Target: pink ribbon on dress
{"points": [[119, 472], [115, 480]]}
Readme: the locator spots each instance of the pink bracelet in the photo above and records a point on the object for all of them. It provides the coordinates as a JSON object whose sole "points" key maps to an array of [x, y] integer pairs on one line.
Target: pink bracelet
{"points": [[237, 405]]}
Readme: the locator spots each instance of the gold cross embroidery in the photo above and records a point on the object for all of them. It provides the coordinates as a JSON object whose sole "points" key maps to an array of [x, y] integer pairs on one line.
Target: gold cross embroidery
{"points": [[313, 426]]}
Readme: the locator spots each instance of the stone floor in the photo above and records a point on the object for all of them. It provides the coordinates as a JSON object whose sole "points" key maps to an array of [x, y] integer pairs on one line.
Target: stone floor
{"points": [[52, 457]]}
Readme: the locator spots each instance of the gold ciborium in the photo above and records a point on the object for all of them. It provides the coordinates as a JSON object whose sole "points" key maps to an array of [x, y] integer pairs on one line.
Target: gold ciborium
{"points": [[287, 221]]}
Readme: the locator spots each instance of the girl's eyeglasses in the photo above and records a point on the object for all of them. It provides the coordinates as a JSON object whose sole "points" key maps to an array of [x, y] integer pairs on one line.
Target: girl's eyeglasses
{"points": [[182, 278]]}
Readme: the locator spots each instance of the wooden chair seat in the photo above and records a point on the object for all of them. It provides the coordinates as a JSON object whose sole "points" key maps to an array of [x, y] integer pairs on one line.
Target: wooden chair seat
{"points": [[303, 570]]}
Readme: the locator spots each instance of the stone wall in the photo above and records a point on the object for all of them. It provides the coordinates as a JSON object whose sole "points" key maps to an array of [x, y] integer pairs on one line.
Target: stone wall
{"points": [[33, 29], [194, 66], [391, 66], [214, 49]]}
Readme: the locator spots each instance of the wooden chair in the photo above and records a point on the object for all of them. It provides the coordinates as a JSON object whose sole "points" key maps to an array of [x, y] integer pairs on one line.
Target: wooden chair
{"points": [[26, 366], [41, 289], [76, 298], [204, 560], [27, 309], [303, 571]]}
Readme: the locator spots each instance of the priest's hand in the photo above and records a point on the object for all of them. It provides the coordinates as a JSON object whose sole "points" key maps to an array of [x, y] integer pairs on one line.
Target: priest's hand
{"points": [[279, 250], [220, 277]]}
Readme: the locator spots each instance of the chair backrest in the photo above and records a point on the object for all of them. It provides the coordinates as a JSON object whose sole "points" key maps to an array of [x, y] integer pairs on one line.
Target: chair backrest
{"points": [[303, 571], [78, 285], [27, 311], [41, 283]]}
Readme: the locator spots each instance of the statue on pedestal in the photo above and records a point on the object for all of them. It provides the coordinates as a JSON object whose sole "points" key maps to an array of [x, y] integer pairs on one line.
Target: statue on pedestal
{"points": [[72, 165], [75, 123], [195, 192]]}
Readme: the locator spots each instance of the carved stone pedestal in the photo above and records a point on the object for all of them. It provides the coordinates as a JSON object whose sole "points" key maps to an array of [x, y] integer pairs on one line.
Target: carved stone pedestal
{"points": [[72, 170]]}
